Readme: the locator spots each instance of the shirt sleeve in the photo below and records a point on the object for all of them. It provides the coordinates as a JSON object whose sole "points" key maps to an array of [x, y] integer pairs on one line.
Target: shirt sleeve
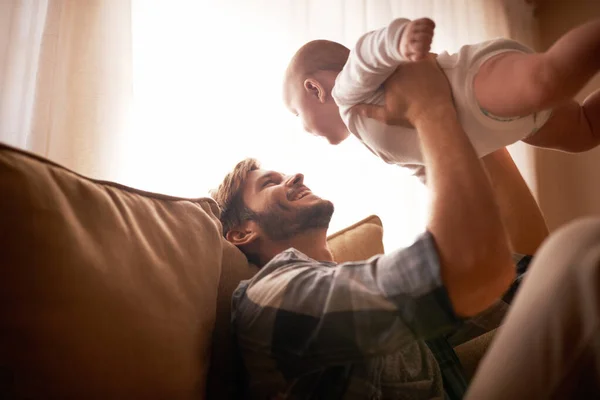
{"points": [[306, 311], [373, 59]]}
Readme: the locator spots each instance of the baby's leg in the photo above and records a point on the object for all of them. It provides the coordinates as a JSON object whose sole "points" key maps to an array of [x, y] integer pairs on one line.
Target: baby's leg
{"points": [[516, 84], [572, 127]]}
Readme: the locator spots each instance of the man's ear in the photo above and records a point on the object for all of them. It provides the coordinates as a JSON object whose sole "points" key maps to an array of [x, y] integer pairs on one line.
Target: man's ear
{"points": [[315, 89], [243, 235]]}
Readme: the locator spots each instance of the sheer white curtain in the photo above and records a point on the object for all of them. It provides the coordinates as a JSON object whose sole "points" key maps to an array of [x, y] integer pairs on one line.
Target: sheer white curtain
{"points": [[207, 89], [65, 80], [205, 79], [21, 27]]}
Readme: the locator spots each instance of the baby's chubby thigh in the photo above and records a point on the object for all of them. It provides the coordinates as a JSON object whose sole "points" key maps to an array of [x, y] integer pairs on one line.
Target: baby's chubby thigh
{"points": [[486, 131]]}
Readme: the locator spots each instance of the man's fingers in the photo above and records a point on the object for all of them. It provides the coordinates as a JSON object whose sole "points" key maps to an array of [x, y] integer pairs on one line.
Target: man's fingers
{"points": [[372, 111]]}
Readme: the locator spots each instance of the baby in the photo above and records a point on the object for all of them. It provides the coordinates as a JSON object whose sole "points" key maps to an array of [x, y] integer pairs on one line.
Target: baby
{"points": [[503, 92]]}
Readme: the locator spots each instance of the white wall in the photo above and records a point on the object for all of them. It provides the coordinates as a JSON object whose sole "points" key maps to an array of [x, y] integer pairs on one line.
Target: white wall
{"points": [[568, 185]]}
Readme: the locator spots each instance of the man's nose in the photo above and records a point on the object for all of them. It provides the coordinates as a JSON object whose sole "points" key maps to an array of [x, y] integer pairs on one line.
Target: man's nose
{"points": [[295, 180]]}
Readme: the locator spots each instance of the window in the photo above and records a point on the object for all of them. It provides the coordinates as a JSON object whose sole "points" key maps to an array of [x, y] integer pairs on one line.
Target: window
{"points": [[207, 93]]}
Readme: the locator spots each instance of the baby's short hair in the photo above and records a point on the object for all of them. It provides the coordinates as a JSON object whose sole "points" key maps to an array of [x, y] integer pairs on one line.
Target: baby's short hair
{"points": [[317, 55]]}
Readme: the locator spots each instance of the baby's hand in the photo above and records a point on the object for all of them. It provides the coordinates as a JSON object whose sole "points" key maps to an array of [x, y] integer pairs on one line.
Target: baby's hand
{"points": [[416, 39]]}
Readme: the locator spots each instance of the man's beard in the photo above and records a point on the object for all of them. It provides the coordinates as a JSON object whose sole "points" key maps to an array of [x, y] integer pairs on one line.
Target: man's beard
{"points": [[279, 225]]}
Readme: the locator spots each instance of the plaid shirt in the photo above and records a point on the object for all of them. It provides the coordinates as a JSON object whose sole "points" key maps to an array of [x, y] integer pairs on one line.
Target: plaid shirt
{"points": [[376, 329]]}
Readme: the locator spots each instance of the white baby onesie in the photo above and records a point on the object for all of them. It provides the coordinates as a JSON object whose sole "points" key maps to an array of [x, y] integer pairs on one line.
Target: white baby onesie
{"points": [[376, 56]]}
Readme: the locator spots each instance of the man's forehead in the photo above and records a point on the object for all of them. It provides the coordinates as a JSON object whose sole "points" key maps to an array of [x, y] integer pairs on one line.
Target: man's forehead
{"points": [[259, 174]]}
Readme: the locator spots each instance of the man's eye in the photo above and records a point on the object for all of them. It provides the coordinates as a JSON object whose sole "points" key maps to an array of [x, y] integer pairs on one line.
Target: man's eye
{"points": [[267, 183]]}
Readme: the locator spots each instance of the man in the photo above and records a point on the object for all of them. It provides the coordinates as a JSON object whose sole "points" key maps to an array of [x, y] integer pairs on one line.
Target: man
{"points": [[308, 328]]}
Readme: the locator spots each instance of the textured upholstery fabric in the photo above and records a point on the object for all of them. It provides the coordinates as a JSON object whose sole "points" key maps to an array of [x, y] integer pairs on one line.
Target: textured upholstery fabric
{"points": [[106, 292], [358, 242], [221, 376]]}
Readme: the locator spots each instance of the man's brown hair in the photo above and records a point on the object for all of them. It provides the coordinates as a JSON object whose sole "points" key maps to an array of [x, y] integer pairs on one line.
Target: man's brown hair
{"points": [[229, 195]]}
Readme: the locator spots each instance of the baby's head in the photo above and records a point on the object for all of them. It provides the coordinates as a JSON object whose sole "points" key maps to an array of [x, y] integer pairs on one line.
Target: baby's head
{"points": [[307, 87]]}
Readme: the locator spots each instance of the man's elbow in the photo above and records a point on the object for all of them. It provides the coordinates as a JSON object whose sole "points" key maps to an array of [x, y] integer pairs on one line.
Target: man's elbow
{"points": [[481, 285]]}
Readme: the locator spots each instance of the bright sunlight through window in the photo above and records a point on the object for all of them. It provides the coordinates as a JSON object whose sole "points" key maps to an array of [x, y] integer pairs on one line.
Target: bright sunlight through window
{"points": [[207, 92]]}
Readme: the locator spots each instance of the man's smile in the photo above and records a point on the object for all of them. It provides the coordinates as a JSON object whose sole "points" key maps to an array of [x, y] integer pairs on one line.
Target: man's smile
{"points": [[298, 193]]}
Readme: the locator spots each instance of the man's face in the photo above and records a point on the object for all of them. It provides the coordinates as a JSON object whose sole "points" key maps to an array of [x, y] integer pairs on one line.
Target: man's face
{"points": [[283, 206]]}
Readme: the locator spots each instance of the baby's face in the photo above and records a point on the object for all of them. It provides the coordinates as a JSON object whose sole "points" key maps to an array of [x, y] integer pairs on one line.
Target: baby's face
{"points": [[320, 115]]}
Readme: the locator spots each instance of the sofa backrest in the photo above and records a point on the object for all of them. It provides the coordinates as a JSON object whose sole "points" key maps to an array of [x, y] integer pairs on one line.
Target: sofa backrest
{"points": [[106, 292], [112, 292]]}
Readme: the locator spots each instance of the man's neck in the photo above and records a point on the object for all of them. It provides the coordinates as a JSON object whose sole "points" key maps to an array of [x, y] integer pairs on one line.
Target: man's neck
{"points": [[313, 243]]}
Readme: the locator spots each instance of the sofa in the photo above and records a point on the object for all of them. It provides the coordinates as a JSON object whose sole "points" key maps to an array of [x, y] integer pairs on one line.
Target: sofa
{"points": [[110, 292]]}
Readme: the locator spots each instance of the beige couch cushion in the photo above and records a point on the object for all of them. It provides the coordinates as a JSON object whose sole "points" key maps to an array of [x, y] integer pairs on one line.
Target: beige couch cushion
{"points": [[357, 242], [235, 268], [106, 292]]}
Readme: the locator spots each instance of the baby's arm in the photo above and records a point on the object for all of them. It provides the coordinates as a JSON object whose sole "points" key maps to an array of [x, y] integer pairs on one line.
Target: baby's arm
{"points": [[378, 53], [572, 127], [517, 84]]}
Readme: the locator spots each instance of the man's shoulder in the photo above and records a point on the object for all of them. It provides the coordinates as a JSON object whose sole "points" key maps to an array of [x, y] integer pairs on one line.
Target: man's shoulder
{"points": [[284, 265], [289, 255], [289, 259]]}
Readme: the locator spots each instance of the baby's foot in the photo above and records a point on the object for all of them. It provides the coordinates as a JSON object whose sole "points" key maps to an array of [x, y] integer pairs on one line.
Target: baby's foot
{"points": [[416, 39]]}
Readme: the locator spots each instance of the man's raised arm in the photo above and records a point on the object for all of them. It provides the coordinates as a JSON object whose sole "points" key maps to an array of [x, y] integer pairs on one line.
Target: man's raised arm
{"points": [[464, 218]]}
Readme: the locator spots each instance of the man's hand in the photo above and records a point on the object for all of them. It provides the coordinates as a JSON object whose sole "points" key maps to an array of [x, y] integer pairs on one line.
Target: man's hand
{"points": [[416, 39], [412, 90]]}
